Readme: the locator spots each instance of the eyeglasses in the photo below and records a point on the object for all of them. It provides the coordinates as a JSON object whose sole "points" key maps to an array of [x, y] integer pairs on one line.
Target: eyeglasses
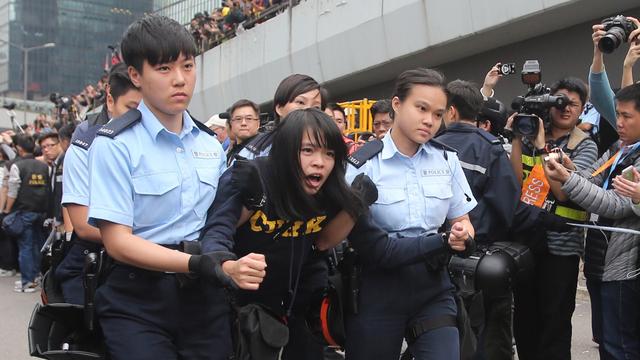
{"points": [[248, 118], [383, 123]]}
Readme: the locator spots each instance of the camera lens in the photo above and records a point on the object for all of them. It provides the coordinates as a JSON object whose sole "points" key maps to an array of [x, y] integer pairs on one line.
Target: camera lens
{"points": [[614, 37], [525, 125]]}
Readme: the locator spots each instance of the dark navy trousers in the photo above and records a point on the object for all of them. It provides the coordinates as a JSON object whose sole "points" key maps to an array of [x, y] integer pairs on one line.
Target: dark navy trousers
{"points": [[390, 301], [145, 315]]}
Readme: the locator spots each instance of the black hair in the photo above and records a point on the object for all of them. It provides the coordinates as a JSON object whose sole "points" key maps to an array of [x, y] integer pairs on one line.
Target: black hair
{"points": [[242, 103], [465, 96], [291, 87], [119, 81], [49, 135], [574, 85], [157, 39], [25, 142], [630, 93], [381, 107], [66, 132], [284, 183], [420, 76], [336, 107]]}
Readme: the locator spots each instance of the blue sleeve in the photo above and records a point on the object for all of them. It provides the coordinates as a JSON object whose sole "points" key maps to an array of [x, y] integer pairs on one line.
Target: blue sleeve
{"points": [[502, 192], [461, 191], [110, 184], [376, 248], [75, 176], [222, 217], [602, 96]]}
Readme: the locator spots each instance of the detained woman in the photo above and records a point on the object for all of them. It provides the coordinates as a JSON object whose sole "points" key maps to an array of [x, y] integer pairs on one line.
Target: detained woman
{"points": [[304, 187]]}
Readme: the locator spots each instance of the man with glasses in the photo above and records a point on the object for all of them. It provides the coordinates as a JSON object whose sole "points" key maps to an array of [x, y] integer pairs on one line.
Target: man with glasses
{"points": [[381, 120], [243, 123]]}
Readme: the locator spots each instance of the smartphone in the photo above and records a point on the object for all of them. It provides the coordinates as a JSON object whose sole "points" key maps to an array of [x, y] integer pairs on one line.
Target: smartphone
{"points": [[627, 173]]}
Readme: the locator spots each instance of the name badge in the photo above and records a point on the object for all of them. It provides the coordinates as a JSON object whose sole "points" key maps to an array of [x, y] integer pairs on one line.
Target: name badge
{"points": [[206, 154], [436, 172]]}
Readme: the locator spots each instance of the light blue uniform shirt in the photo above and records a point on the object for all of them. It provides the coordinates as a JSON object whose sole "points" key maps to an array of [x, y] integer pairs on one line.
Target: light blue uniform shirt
{"points": [[416, 194], [75, 176], [158, 183]]}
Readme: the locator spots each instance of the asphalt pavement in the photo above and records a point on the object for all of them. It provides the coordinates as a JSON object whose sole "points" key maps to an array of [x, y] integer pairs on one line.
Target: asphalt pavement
{"points": [[15, 309]]}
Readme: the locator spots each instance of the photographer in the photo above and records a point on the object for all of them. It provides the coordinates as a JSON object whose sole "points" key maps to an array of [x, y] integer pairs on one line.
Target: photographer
{"points": [[544, 306], [602, 95], [611, 258]]}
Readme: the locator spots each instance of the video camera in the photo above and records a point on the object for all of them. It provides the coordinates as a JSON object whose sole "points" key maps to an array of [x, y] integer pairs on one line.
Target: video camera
{"points": [[61, 102], [535, 103], [618, 29]]}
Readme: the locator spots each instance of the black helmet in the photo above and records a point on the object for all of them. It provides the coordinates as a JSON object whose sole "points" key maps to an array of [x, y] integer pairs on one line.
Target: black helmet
{"points": [[57, 332]]}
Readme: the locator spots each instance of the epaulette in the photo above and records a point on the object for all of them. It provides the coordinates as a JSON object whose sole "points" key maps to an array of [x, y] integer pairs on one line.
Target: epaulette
{"points": [[204, 127], [489, 137], [118, 125], [258, 143], [365, 153], [441, 145]]}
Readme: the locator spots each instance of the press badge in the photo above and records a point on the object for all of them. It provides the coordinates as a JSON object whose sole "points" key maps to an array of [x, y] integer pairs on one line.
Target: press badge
{"points": [[206, 154]]}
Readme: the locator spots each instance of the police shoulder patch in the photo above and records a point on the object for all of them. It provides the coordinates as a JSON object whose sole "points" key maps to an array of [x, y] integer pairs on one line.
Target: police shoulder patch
{"points": [[365, 153], [118, 125], [439, 144]]}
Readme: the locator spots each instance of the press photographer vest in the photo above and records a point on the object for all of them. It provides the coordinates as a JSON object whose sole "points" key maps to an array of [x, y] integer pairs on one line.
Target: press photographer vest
{"points": [[566, 209], [33, 194]]}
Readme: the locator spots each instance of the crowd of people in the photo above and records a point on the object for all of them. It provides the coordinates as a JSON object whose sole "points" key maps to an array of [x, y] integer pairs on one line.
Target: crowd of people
{"points": [[211, 29], [239, 219]]}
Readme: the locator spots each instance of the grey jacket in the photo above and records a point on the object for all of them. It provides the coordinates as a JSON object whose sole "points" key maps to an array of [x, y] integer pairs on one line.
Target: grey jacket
{"points": [[621, 258]]}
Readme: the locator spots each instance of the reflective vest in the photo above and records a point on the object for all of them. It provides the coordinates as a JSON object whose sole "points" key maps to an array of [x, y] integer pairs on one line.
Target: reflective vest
{"points": [[566, 209]]}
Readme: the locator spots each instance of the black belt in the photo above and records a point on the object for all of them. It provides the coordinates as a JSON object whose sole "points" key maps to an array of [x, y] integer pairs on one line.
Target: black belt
{"points": [[178, 247]]}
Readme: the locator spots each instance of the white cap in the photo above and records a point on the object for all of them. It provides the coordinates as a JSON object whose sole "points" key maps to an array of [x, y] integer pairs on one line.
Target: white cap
{"points": [[215, 120]]}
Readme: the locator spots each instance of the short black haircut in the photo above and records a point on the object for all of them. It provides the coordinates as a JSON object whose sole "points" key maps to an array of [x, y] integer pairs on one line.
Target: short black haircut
{"points": [[292, 86], [156, 39], [381, 107], [242, 103], [336, 107], [465, 96], [420, 76], [284, 183], [119, 81], [572, 84], [630, 93], [49, 135], [25, 142], [66, 132]]}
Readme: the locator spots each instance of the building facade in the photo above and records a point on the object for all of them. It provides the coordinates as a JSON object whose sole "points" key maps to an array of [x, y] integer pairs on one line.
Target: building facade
{"points": [[82, 30]]}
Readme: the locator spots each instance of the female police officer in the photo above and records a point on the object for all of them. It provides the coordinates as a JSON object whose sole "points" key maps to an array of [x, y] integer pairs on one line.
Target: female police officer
{"points": [[420, 185], [153, 174]]}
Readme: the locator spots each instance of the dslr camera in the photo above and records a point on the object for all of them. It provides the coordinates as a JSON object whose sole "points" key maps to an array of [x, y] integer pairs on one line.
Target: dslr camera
{"points": [[618, 29], [535, 103], [61, 102]]}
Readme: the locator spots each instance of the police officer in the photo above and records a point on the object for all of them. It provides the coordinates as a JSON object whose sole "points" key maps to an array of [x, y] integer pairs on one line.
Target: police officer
{"points": [[493, 184], [28, 197], [421, 185], [121, 97], [296, 91], [153, 174]]}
